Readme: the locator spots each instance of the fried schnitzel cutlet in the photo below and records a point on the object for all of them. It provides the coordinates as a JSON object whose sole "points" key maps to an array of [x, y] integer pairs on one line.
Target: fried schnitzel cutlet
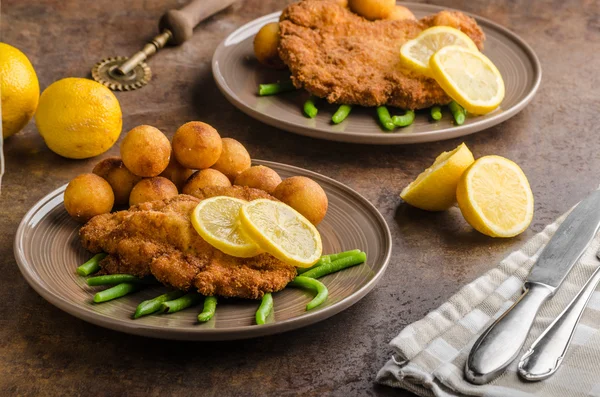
{"points": [[338, 55], [157, 238]]}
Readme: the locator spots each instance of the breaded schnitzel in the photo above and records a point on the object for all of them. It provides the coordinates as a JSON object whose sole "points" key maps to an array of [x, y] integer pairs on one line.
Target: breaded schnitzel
{"points": [[338, 55], [157, 238]]}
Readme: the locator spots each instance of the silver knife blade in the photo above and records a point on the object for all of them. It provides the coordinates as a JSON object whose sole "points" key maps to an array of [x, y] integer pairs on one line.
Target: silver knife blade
{"points": [[501, 342], [567, 244]]}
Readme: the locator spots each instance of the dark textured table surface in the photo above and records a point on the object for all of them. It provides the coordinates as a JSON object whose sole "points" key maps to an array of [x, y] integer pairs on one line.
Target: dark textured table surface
{"points": [[44, 351]]}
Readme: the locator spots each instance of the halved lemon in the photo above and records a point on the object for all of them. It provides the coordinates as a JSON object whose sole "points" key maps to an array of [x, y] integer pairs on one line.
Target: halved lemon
{"points": [[282, 231], [469, 77], [217, 221], [495, 198], [435, 188], [416, 52]]}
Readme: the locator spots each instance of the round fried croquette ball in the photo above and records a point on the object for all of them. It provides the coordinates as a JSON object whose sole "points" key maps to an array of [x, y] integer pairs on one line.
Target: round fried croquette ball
{"points": [[233, 160], [372, 9], [151, 189], [305, 196], [197, 145], [88, 195], [146, 151], [205, 178], [259, 177], [120, 179], [400, 12], [266, 42], [176, 173]]}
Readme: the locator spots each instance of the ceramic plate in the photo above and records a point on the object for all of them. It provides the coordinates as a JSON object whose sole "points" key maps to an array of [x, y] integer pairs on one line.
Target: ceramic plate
{"points": [[238, 75], [48, 251]]}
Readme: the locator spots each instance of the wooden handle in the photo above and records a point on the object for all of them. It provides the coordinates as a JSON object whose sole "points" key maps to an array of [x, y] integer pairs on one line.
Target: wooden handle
{"points": [[182, 22]]}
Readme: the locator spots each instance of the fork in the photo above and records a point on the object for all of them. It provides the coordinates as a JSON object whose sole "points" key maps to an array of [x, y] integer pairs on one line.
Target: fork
{"points": [[546, 354]]}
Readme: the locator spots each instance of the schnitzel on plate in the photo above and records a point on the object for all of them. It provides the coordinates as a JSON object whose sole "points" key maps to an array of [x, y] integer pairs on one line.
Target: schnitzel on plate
{"points": [[157, 238], [338, 55]]}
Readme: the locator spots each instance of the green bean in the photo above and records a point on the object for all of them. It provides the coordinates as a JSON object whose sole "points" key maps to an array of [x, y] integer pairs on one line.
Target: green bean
{"points": [[341, 114], [340, 255], [310, 109], [385, 119], [266, 306], [276, 88], [405, 120], [210, 306], [179, 304], [115, 292], [91, 266], [336, 265], [118, 279], [458, 112], [436, 113], [311, 283], [328, 259], [153, 305]]}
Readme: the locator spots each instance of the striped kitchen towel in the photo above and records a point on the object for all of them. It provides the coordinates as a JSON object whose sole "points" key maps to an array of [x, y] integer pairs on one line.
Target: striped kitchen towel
{"points": [[429, 355]]}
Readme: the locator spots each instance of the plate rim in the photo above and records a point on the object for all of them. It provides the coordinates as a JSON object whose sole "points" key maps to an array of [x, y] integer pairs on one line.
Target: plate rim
{"points": [[235, 333], [385, 138]]}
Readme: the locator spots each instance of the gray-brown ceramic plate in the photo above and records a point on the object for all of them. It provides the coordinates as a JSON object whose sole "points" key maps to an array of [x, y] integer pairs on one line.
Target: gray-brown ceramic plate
{"points": [[47, 250], [238, 75]]}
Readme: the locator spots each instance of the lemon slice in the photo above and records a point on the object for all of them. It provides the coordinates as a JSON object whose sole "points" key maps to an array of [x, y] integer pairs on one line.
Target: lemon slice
{"points": [[416, 52], [435, 188], [282, 232], [217, 221], [495, 198], [469, 77]]}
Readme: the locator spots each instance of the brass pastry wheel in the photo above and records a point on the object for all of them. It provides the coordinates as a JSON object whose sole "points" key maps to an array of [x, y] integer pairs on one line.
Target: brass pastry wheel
{"points": [[176, 26]]}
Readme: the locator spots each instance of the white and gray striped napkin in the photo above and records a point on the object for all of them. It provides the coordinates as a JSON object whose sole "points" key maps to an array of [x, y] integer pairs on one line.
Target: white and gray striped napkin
{"points": [[430, 354]]}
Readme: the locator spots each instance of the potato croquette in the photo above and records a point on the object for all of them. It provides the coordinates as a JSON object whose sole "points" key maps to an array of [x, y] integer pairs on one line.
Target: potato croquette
{"points": [[152, 189], [146, 151], [259, 177], [234, 159], [197, 145], [88, 195], [120, 179], [203, 179], [305, 196], [266, 42], [372, 9], [401, 12], [176, 173]]}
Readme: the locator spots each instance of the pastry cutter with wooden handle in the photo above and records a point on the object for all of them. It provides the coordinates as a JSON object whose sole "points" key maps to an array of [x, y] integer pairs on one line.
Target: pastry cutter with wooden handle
{"points": [[175, 26]]}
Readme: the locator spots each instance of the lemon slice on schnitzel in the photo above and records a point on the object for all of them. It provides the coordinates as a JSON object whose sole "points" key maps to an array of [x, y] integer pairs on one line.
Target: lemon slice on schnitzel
{"points": [[217, 221], [469, 77], [282, 231], [495, 198], [415, 53]]}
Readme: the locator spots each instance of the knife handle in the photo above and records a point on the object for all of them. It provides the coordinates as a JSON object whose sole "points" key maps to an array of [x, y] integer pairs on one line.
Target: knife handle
{"points": [[546, 354], [182, 22], [501, 343]]}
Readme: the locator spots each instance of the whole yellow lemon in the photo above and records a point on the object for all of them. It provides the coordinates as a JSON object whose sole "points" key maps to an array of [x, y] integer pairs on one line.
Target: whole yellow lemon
{"points": [[78, 118], [19, 87]]}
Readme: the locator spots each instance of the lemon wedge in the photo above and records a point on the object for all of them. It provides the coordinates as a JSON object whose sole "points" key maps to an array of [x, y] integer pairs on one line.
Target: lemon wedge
{"points": [[217, 221], [495, 198], [415, 53], [469, 77], [435, 188], [282, 232]]}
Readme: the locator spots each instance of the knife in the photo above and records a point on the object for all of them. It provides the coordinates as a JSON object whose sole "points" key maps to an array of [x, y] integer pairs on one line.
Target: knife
{"points": [[501, 343], [547, 353]]}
